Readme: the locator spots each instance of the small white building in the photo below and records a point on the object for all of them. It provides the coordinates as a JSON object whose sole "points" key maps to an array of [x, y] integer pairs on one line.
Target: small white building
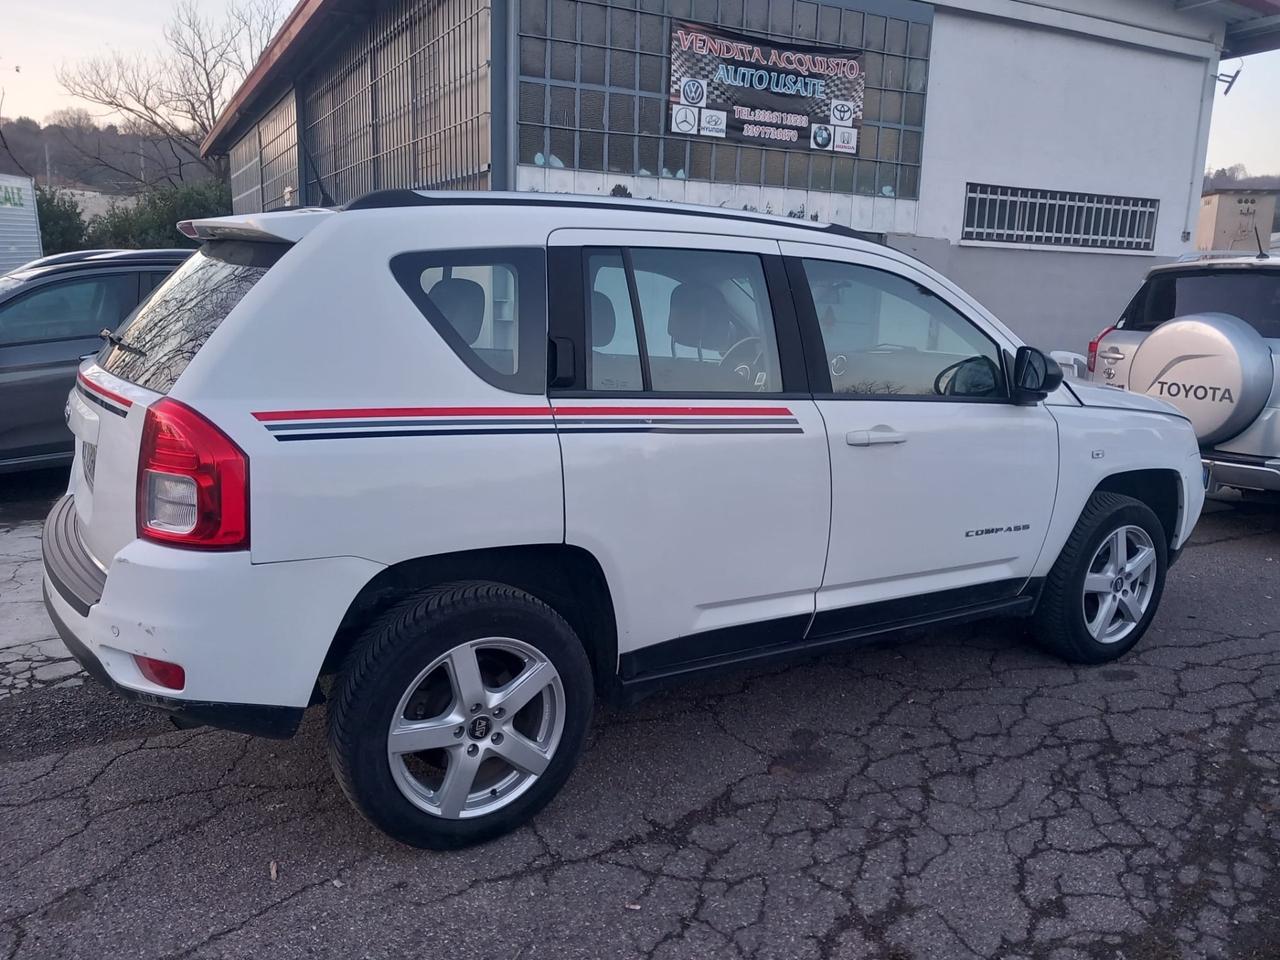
{"points": [[19, 222], [1236, 220], [1043, 154]]}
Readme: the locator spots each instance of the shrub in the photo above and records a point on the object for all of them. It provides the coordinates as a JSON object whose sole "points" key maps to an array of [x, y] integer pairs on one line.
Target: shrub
{"points": [[61, 226], [152, 220]]}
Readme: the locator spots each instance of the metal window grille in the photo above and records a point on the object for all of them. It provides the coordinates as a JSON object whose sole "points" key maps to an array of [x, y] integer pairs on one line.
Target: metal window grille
{"points": [[593, 91], [1059, 218], [404, 103]]}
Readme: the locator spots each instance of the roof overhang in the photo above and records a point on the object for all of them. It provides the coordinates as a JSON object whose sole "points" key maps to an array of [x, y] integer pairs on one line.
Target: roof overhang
{"points": [[1252, 26]]}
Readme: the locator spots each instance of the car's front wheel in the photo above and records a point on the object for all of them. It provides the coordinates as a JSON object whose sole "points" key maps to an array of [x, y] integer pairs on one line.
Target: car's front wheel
{"points": [[460, 714], [1103, 591]]}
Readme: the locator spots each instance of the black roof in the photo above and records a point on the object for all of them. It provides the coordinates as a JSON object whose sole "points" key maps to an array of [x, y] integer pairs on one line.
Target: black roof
{"points": [[82, 260], [381, 199]]}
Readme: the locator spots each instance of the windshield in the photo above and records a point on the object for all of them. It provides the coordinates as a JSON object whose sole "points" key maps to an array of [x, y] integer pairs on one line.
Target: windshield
{"points": [[1252, 294], [154, 344]]}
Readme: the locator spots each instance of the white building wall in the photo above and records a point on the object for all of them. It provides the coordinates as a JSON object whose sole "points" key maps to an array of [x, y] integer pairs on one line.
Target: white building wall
{"points": [[1020, 105]]}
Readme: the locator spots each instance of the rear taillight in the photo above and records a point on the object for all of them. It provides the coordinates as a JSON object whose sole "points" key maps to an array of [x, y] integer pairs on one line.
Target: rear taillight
{"points": [[193, 482], [1093, 347]]}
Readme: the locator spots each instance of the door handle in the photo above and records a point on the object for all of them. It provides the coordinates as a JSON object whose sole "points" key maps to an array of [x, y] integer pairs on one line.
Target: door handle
{"points": [[877, 434], [1111, 353]]}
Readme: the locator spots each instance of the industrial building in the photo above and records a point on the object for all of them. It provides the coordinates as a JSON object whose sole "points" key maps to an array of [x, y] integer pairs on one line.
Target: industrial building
{"points": [[1043, 155]]}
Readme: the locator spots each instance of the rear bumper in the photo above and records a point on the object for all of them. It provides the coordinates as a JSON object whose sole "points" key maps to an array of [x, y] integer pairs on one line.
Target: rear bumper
{"points": [[1242, 470], [257, 719], [250, 637]]}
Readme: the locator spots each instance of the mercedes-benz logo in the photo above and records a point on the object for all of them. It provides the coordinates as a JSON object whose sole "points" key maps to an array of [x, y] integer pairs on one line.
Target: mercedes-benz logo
{"points": [[694, 91], [821, 136], [842, 112], [684, 120]]}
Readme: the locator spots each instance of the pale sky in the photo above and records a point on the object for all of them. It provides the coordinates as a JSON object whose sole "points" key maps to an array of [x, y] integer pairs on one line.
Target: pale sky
{"points": [[37, 35]]}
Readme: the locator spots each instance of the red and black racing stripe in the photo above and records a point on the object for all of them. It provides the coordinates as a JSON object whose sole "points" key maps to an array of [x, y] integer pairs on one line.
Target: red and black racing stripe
{"points": [[97, 394], [358, 423]]}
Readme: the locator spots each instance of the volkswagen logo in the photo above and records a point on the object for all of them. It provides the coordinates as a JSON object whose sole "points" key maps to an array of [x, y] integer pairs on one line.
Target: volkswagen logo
{"points": [[842, 112], [821, 135], [694, 92], [684, 120]]}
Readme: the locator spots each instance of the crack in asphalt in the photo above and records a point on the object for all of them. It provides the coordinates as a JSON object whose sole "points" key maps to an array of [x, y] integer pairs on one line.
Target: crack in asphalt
{"points": [[948, 794]]}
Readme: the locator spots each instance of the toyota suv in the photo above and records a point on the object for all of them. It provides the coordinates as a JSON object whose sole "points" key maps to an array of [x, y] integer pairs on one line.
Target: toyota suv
{"points": [[461, 464], [1204, 334]]}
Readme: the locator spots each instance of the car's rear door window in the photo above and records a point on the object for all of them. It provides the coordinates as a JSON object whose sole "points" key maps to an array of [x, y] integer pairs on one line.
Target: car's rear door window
{"points": [[704, 324], [161, 337]]}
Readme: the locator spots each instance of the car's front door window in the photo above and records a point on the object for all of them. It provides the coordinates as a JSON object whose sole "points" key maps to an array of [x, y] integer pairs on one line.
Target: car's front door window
{"points": [[886, 335]]}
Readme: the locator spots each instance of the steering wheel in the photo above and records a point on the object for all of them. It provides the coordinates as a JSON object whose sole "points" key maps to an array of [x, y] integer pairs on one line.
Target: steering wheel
{"points": [[746, 359]]}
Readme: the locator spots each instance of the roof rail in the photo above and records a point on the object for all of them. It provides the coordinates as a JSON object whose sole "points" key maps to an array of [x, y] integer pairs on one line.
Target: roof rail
{"points": [[384, 199]]}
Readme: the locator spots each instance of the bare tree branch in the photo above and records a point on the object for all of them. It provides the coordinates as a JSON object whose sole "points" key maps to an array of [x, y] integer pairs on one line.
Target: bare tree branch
{"points": [[173, 98], [4, 144]]}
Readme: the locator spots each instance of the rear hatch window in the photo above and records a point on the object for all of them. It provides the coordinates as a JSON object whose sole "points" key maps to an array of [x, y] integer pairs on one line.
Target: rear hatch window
{"points": [[1251, 293], [158, 341]]}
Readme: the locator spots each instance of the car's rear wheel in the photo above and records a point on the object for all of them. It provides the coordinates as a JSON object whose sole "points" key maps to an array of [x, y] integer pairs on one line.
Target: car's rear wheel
{"points": [[1103, 591], [460, 714]]}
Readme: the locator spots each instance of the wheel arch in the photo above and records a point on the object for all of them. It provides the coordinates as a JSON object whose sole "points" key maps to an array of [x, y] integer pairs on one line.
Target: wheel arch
{"points": [[566, 578], [1160, 489]]}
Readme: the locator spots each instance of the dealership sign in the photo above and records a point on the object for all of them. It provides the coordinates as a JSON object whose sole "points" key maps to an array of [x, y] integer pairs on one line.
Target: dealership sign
{"points": [[734, 87]]}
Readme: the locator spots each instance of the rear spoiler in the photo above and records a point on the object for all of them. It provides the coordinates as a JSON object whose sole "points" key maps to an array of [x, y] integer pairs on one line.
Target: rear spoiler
{"points": [[288, 226]]}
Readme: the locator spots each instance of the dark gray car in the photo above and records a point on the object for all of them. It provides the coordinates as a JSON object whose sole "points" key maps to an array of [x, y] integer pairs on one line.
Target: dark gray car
{"points": [[51, 312]]}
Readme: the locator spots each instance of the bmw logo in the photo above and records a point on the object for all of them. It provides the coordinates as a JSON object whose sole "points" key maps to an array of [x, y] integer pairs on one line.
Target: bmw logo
{"points": [[821, 135]]}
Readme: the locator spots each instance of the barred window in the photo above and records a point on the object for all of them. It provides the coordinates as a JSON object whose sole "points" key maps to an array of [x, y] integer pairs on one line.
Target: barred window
{"points": [[1059, 218], [593, 92]]}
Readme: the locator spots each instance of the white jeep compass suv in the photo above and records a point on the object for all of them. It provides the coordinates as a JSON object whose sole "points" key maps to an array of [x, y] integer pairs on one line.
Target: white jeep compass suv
{"points": [[483, 458]]}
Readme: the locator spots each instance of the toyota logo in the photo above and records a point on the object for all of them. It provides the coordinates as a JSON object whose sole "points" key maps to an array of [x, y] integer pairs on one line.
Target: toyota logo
{"points": [[842, 112], [684, 120], [693, 91]]}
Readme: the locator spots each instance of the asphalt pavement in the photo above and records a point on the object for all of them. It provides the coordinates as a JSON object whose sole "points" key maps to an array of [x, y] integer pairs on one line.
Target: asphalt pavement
{"points": [[948, 794]]}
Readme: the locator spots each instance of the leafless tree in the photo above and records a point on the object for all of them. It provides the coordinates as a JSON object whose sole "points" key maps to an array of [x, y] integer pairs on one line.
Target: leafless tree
{"points": [[172, 98], [4, 143]]}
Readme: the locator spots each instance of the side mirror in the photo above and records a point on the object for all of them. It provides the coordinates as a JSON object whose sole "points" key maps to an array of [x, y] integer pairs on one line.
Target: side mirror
{"points": [[1035, 376]]}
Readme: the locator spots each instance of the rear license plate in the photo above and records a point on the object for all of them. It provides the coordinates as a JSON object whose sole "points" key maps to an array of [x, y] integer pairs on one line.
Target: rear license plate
{"points": [[89, 459]]}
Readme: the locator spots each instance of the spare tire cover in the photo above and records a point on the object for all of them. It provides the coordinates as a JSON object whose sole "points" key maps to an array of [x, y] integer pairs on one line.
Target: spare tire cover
{"points": [[1213, 367]]}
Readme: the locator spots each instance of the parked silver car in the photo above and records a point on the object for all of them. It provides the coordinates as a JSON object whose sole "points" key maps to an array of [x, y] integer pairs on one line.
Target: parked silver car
{"points": [[51, 312], [1204, 334]]}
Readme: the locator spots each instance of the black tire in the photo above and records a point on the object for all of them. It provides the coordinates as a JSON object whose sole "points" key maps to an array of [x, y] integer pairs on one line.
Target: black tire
{"points": [[402, 643], [1060, 626]]}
